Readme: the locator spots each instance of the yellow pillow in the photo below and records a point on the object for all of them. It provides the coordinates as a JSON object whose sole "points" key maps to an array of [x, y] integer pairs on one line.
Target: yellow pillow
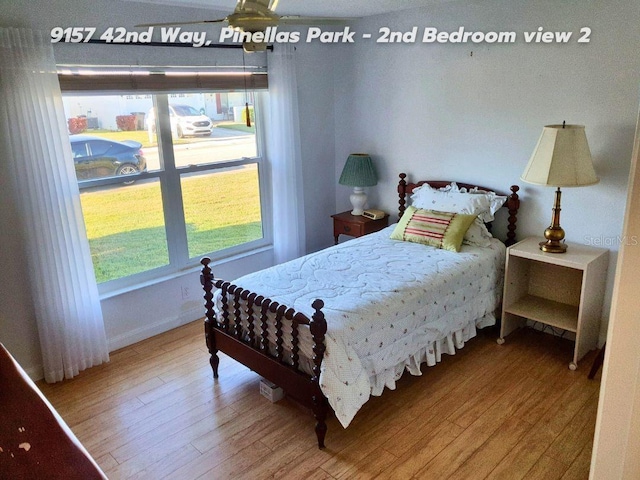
{"points": [[430, 227]]}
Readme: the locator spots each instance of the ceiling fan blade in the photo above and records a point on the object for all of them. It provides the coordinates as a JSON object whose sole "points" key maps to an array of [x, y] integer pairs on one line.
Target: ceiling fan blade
{"points": [[297, 20], [172, 24]]}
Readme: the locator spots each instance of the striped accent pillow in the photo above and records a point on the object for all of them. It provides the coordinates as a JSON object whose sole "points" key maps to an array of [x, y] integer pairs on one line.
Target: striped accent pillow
{"points": [[434, 228]]}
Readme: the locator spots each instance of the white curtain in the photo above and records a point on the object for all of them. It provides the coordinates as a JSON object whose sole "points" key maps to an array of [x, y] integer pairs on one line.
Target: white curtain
{"points": [[283, 150], [37, 155]]}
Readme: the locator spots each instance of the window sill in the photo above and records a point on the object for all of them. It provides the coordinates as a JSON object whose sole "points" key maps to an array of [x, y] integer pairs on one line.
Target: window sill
{"points": [[164, 277]]}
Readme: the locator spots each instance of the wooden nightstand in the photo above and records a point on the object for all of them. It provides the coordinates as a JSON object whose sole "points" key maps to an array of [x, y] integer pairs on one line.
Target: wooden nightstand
{"points": [[355, 225], [562, 290]]}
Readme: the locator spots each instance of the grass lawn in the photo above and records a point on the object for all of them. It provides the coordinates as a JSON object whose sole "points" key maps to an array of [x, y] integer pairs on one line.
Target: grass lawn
{"points": [[126, 229], [240, 127]]}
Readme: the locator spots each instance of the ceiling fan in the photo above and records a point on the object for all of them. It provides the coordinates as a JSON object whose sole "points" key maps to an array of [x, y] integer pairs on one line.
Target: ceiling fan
{"points": [[256, 16]]}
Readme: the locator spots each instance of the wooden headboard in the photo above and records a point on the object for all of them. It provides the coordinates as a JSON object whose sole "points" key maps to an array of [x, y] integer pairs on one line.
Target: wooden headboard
{"points": [[512, 204]]}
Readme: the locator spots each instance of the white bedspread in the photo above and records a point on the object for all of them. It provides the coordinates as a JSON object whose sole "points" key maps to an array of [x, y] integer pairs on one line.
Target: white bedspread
{"points": [[390, 306]]}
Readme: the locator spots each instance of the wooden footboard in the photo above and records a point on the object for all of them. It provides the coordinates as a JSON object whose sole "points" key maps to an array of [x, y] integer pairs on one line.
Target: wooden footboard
{"points": [[241, 332]]}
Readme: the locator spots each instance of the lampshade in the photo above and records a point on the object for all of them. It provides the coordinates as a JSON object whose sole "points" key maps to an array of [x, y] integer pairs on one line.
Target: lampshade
{"points": [[358, 171], [561, 158]]}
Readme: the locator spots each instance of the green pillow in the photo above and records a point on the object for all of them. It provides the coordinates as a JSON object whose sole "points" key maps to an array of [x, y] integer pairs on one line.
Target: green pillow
{"points": [[430, 227]]}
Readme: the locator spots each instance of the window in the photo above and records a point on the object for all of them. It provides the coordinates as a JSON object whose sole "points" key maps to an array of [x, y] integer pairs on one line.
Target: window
{"points": [[165, 179]]}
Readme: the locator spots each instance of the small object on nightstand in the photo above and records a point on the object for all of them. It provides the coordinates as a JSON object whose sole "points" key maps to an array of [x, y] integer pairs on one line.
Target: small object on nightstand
{"points": [[356, 225], [562, 291], [374, 214]]}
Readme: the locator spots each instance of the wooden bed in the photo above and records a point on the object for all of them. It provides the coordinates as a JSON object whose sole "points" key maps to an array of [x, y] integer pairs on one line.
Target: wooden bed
{"points": [[279, 360]]}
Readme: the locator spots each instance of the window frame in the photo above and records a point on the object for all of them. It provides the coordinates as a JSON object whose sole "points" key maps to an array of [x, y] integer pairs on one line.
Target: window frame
{"points": [[169, 178]]}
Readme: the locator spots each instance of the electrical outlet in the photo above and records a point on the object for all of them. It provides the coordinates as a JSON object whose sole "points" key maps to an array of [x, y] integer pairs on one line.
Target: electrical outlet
{"points": [[186, 294]]}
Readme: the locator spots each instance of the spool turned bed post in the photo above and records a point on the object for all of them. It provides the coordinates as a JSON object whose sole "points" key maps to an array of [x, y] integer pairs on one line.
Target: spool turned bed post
{"points": [[402, 192], [318, 327], [513, 204], [206, 279]]}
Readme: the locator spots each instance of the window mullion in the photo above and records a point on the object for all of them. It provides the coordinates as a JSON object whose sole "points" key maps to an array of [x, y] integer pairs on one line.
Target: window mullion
{"points": [[175, 224]]}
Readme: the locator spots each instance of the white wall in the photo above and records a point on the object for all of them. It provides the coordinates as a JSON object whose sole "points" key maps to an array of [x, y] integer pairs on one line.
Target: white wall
{"points": [[316, 65], [474, 112]]}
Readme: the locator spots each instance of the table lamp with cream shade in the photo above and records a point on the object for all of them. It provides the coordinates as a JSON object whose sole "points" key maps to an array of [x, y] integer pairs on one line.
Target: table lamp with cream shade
{"points": [[561, 159], [358, 172]]}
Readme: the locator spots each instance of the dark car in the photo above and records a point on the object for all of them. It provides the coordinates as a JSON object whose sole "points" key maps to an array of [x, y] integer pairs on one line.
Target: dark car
{"points": [[96, 157]]}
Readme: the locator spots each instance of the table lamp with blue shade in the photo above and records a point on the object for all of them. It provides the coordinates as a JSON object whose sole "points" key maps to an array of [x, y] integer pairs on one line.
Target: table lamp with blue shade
{"points": [[358, 172]]}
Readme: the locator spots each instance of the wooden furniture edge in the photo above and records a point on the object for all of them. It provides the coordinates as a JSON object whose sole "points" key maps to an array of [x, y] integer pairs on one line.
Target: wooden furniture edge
{"points": [[35, 441], [252, 350]]}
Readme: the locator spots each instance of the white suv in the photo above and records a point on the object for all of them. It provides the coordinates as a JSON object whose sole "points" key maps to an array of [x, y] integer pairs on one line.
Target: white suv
{"points": [[185, 121]]}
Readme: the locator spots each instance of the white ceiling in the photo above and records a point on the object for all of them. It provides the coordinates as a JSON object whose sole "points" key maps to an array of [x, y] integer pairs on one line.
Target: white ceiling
{"points": [[330, 8]]}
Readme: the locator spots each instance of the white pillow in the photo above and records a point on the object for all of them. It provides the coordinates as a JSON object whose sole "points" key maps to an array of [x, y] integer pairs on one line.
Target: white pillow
{"points": [[496, 201], [477, 234], [458, 200], [451, 198]]}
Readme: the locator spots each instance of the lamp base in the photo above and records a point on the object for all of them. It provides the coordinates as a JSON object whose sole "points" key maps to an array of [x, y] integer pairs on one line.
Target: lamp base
{"points": [[358, 200], [553, 246], [554, 233], [555, 236]]}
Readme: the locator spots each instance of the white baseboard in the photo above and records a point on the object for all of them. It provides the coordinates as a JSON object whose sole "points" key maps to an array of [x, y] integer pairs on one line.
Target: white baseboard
{"points": [[36, 372], [142, 333]]}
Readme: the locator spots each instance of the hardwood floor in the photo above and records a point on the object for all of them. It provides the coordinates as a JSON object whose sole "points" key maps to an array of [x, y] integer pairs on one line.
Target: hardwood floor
{"points": [[491, 411]]}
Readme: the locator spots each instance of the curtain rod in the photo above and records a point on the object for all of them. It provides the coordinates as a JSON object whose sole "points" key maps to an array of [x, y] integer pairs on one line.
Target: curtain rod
{"points": [[165, 44]]}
